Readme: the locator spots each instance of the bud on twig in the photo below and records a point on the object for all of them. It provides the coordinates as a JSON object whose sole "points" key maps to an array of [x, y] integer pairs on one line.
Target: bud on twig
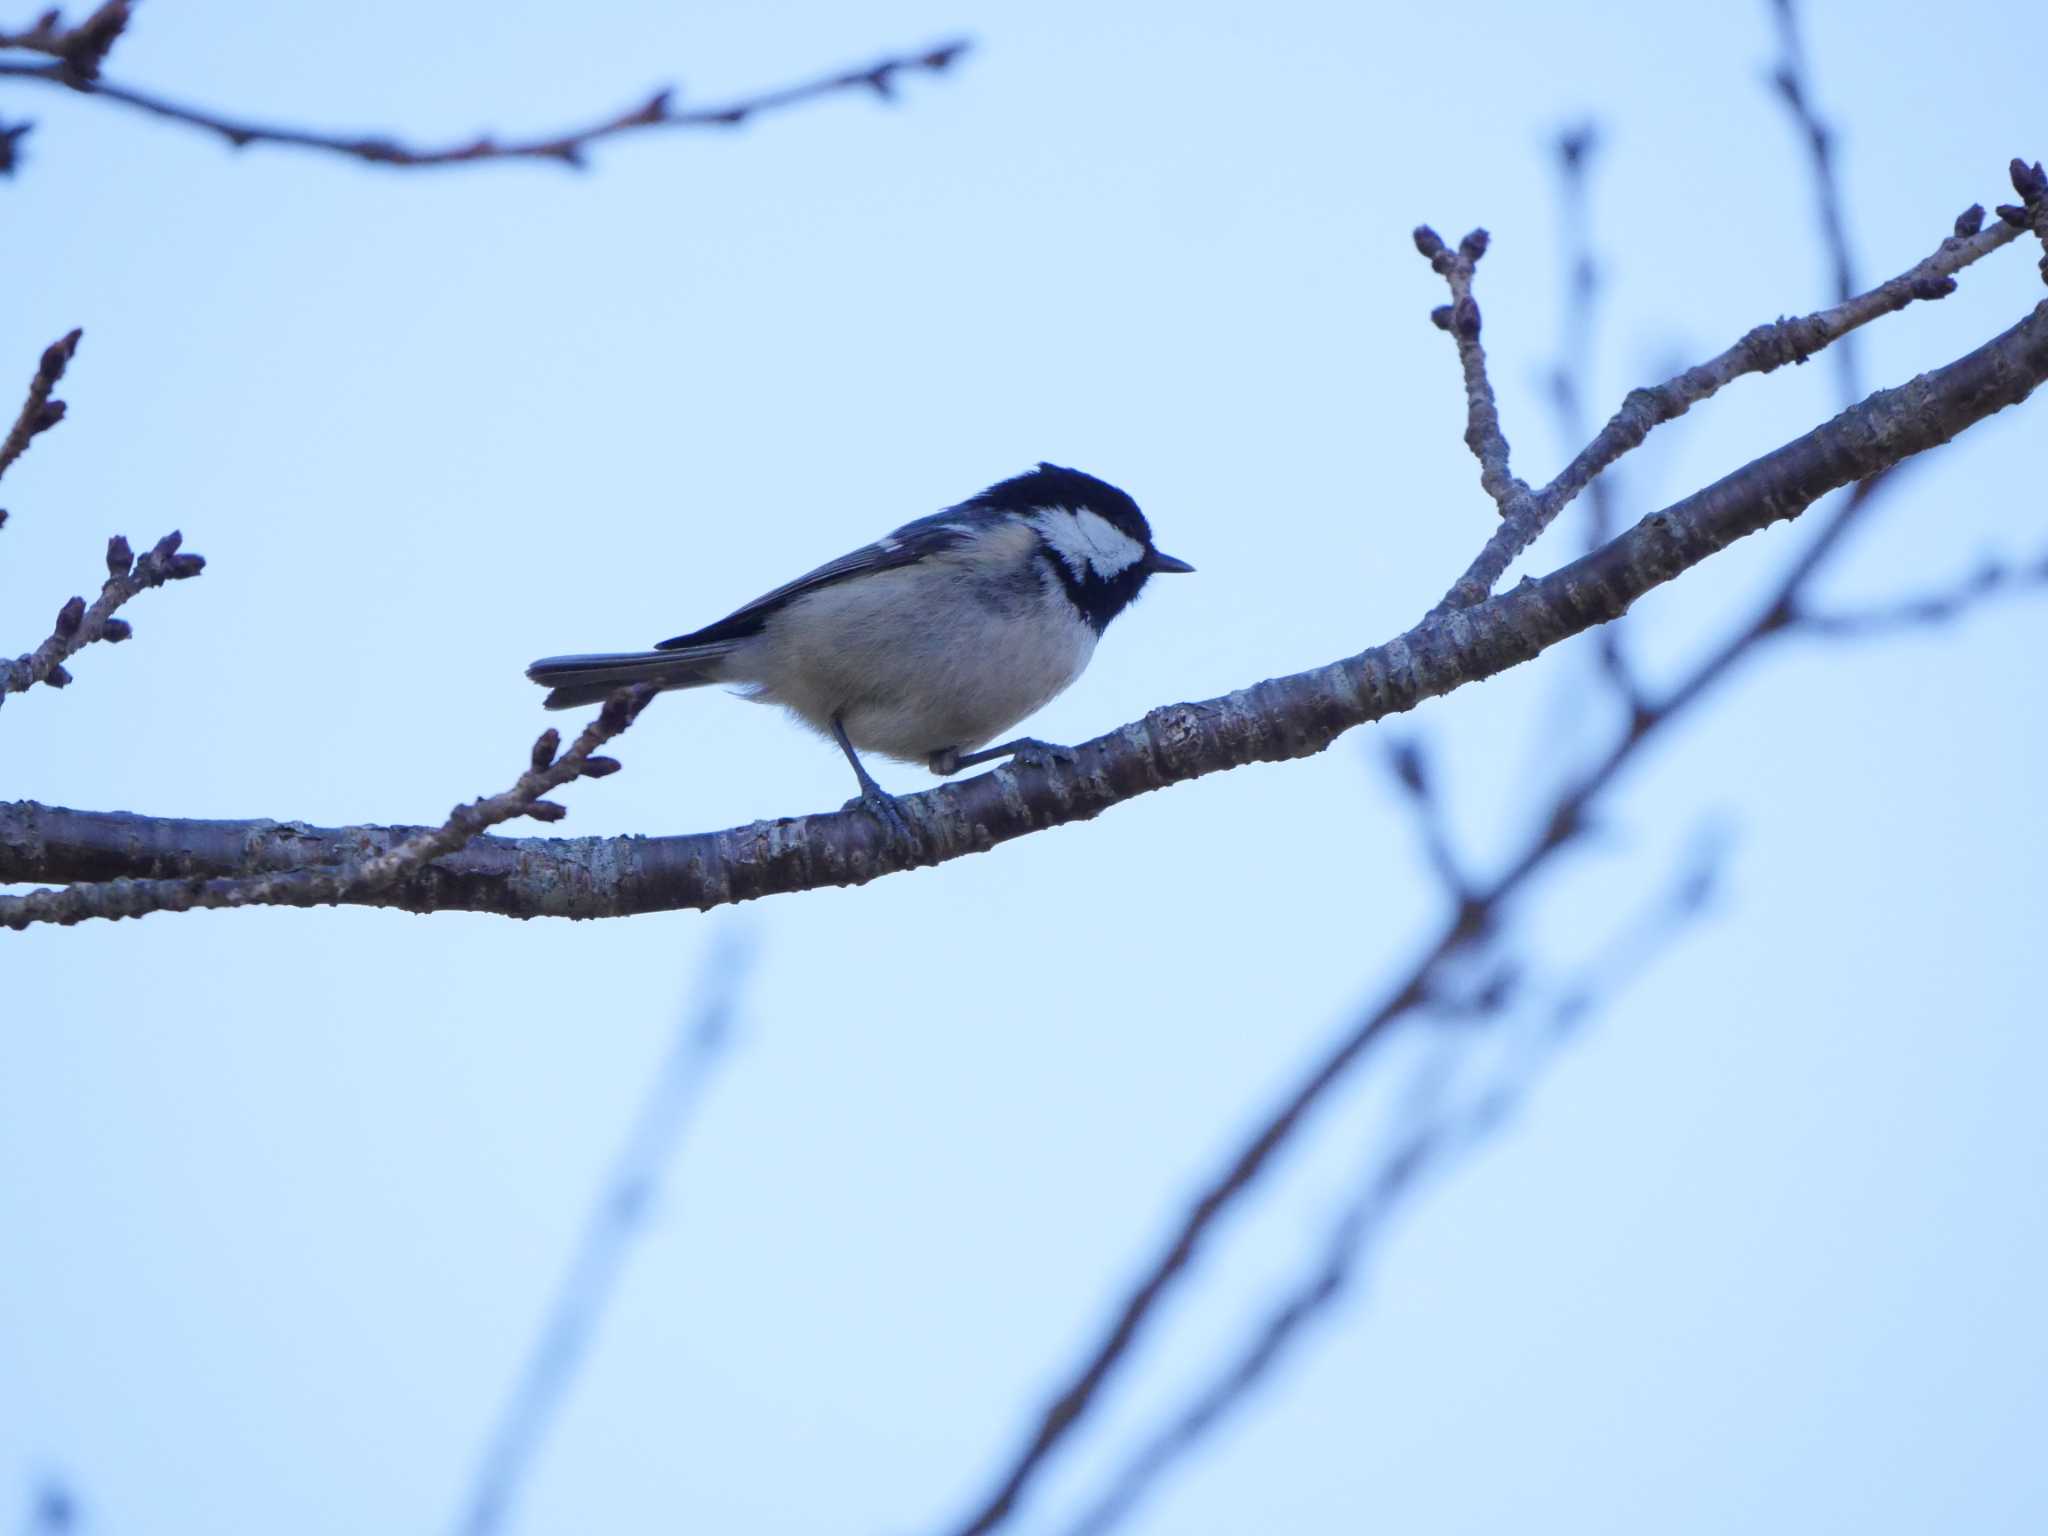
{"points": [[545, 747]]}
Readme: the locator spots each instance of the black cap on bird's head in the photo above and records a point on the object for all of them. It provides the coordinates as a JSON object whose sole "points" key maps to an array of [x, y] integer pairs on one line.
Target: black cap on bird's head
{"points": [[1101, 542]]}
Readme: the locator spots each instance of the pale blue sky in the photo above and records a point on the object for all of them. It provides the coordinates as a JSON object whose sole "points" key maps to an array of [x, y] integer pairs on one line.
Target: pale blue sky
{"points": [[285, 1192]]}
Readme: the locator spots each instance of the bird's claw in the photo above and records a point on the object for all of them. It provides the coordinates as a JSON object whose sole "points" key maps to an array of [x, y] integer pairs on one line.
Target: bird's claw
{"points": [[1042, 754], [883, 806]]}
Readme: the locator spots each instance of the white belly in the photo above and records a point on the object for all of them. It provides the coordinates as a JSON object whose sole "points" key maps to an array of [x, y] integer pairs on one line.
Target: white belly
{"points": [[918, 660]]}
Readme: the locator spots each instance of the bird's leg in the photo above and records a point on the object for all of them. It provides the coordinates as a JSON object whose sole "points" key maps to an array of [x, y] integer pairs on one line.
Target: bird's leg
{"points": [[1028, 750], [878, 802]]}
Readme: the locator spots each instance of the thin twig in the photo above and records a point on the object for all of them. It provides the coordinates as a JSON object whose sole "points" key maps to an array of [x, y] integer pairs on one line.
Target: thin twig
{"points": [[1461, 319], [39, 412], [1795, 89], [1931, 608], [331, 884], [78, 626], [615, 1220], [567, 148], [80, 49], [1763, 349], [1410, 763], [1568, 378]]}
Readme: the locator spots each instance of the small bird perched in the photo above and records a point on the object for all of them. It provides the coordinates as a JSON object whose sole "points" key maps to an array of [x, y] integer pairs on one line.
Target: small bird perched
{"points": [[924, 645]]}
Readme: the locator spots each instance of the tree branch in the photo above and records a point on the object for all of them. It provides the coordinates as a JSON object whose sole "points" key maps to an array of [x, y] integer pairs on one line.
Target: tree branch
{"points": [[361, 880], [1460, 318], [78, 626], [1281, 718], [614, 1221], [39, 412], [1926, 610], [568, 147], [1432, 1135], [1760, 351]]}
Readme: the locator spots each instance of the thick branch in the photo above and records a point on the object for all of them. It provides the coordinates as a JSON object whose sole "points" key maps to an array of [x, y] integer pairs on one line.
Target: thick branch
{"points": [[1281, 718], [568, 147]]}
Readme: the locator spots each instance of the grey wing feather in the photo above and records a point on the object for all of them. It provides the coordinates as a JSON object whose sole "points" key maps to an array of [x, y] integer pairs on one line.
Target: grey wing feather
{"points": [[907, 545]]}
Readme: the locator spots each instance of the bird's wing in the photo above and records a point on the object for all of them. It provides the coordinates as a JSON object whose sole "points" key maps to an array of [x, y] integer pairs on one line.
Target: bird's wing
{"points": [[906, 546]]}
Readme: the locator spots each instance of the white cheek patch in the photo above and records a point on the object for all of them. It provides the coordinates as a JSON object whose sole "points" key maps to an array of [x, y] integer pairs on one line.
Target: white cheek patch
{"points": [[1089, 544]]}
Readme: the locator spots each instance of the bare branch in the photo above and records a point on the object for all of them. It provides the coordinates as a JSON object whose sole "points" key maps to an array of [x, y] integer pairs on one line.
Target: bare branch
{"points": [[1460, 317], [1926, 610], [78, 626], [363, 879], [1763, 349], [39, 412], [569, 147], [1432, 1137], [1280, 718], [609, 1230], [1409, 762], [1565, 822], [1795, 89], [1568, 377], [80, 49]]}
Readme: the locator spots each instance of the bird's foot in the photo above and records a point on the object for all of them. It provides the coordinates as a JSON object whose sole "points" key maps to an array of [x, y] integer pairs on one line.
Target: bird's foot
{"points": [[1033, 753], [885, 808], [1028, 750]]}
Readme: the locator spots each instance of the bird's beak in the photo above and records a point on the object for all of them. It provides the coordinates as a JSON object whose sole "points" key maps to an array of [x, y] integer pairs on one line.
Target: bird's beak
{"points": [[1159, 564]]}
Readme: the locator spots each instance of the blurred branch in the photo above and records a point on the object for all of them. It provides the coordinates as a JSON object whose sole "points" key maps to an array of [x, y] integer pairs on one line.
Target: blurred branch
{"points": [[52, 1511], [1795, 89], [613, 1223], [361, 880], [569, 147], [1431, 1137], [78, 626], [39, 412], [1926, 610], [1568, 377], [1274, 720], [79, 50], [1409, 761]]}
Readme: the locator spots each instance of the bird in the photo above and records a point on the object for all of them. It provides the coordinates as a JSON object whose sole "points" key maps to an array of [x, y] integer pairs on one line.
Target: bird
{"points": [[927, 644]]}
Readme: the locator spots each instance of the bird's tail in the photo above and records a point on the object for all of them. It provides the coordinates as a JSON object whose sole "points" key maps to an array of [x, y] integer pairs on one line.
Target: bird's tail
{"points": [[576, 680]]}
